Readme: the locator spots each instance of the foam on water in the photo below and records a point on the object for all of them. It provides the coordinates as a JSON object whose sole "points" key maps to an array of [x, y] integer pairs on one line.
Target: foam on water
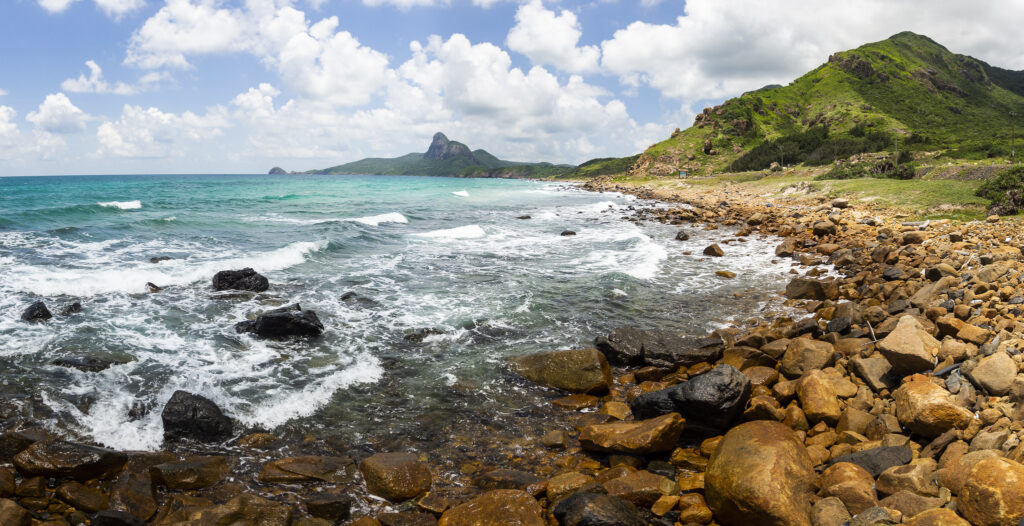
{"points": [[393, 217], [132, 278], [448, 234], [461, 193], [123, 205]]}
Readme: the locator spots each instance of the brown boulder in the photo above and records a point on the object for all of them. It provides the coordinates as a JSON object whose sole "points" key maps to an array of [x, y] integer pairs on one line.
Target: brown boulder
{"points": [[801, 288], [760, 475], [503, 507], [993, 494], [642, 488], [191, 473], [395, 476], [995, 373], [308, 468], [850, 483], [927, 409], [246, 509], [578, 371], [63, 459], [804, 355], [937, 517], [714, 251], [82, 497], [638, 437], [909, 348], [13, 515], [818, 398]]}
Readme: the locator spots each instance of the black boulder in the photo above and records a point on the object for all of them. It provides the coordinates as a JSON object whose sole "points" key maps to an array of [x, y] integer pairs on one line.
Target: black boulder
{"points": [[36, 312], [712, 400], [188, 415], [283, 324], [245, 279]]}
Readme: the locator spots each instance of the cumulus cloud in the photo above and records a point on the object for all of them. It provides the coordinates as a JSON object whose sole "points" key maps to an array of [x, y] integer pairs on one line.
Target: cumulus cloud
{"points": [[95, 83], [8, 125], [550, 38], [113, 8], [183, 28], [151, 133], [719, 49], [405, 4], [58, 115]]}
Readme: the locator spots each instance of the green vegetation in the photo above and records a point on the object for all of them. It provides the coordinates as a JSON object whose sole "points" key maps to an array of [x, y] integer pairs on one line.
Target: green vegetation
{"points": [[890, 167], [1005, 191], [603, 166], [906, 88]]}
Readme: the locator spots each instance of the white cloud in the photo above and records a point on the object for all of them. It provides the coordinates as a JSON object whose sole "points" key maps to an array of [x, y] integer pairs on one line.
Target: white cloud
{"points": [[95, 83], [113, 8], [552, 39], [406, 4], [151, 133], [3, 92], [183, 28], [57, 114], [8, 126], [720, 49]]}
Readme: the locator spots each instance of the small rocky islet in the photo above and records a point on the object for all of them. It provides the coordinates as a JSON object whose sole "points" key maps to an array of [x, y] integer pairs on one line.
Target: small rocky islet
{"points": [[885, 391]]}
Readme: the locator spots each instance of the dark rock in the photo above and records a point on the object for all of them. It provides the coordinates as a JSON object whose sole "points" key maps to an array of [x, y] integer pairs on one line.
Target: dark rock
{"points": [[712, 400], [158, 259], [510, 479], [191, 473], [840, 324], [115, 518], [332, 507], [59, 458], [187, 415], [245, 279], [283, 325], [74, 308], [395, 476], [877, 460], [714, 251], [407, 518], [624, 346], [592, 509], [14, 442], [893, 274], [277, 170], [422, 334], [11, 514], [682, 236], [153, 288], [523, 217], [133, 490], [665, 349], [568, 233], [36, 312], [354, 299], [802, 288], [89, 364], [82, 497]]}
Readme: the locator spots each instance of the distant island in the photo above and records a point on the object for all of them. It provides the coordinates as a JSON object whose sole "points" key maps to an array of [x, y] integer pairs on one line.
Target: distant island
{"points": [[445, 158]]}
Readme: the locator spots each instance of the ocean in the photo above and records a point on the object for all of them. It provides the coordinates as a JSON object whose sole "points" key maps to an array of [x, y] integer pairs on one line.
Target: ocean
{"points": [[445, 255]]}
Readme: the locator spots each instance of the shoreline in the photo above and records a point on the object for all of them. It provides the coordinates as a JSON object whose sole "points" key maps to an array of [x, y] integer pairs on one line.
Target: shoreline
{"points": [[662, 484]]}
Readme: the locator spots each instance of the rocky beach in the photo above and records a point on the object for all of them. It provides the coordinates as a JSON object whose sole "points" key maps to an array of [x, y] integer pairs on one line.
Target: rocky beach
{"points": [[880, 388]]}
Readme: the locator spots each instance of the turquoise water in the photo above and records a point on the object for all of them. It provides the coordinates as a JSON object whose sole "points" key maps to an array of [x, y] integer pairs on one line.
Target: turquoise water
{"points": [[438, 253]]}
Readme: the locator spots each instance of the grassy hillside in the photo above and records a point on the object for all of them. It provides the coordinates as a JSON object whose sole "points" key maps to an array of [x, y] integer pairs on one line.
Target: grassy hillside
{"points": [[907, 88]]}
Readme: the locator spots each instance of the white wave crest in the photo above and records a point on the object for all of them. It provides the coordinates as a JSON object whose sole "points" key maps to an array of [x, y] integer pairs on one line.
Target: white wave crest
{"points": [[118, 277], [393, 217], [461, 193], [462, 232], [123, 205]]}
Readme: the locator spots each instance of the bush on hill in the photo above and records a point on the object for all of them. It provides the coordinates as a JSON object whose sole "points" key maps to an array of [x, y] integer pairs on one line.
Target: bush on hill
{"points": [[1005, 191]]}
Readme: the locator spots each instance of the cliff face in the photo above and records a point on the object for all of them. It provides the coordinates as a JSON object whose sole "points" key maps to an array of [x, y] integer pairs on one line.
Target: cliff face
{"points": [[442, 149]]}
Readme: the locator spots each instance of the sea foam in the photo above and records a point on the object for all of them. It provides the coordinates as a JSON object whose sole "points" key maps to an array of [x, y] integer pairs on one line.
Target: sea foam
{"points": [[461, 193], [462, 232], [393, 217], [123, 205]]}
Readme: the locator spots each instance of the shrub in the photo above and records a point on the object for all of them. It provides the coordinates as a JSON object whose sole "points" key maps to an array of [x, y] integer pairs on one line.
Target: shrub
{"points": [[1005, 191]]}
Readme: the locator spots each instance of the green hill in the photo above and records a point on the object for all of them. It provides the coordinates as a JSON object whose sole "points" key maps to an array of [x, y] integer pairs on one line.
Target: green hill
{"points": [[447, 158], [907, 88]]}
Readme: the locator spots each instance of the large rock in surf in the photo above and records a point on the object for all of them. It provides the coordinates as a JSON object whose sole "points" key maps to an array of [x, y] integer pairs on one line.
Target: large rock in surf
{"points": [[188, 415], [245, 279], [501, 507], [712, 400], [594, 509], [283, 323], [760, 475], [665, 349], [36, 312], [577, 371], [59, 458]]}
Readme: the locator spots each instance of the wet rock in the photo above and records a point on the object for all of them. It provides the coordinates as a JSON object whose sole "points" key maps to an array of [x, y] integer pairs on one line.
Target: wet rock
{"points": [[561, 486], [510, 479], [82, 497], [829, 511], [578, 371], [158, 259], [133, 490], [6, 482], [802, 288], [936, 517], [877, 460], [287, 324], [59, 458], [71, 309], [245, 509], [524, 217], [850, 483], [927, 409], [568, 233], [153, 288], [909, 503], [994, 373], [395, 476], [36, 312], [909, 348], [714, 399], [245, 279], [89, 364], [557, 438], [14, 515], [714, 251], [115, 518], [292, 470], [352, 298], [191, 416], [634, 437], [682, 236], [332, 507], [760, 474], [916, 477], [642, 488], [592, 509], [503, 507], [818, 398], [823, 228], [191, 473], [668, 350], [804, 355], [993, 494], [406, 518]]}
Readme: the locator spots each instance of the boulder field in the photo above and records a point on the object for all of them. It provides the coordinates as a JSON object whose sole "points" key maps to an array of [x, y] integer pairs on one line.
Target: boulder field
{"points": [[882, 386]]}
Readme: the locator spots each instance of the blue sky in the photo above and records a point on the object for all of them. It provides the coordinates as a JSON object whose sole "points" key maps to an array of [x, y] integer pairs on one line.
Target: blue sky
{"points": [[194, 86]]}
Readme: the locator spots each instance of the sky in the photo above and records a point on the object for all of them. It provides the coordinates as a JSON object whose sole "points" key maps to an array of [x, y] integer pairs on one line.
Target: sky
{"points": [[239, 86]]}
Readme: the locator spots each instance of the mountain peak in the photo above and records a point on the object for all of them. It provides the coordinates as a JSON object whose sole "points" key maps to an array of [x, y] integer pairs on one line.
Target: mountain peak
{"points": [[441, 148]]}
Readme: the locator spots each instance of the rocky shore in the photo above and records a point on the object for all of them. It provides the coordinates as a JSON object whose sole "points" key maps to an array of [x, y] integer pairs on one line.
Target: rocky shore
{"points": [[886, 393]]}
